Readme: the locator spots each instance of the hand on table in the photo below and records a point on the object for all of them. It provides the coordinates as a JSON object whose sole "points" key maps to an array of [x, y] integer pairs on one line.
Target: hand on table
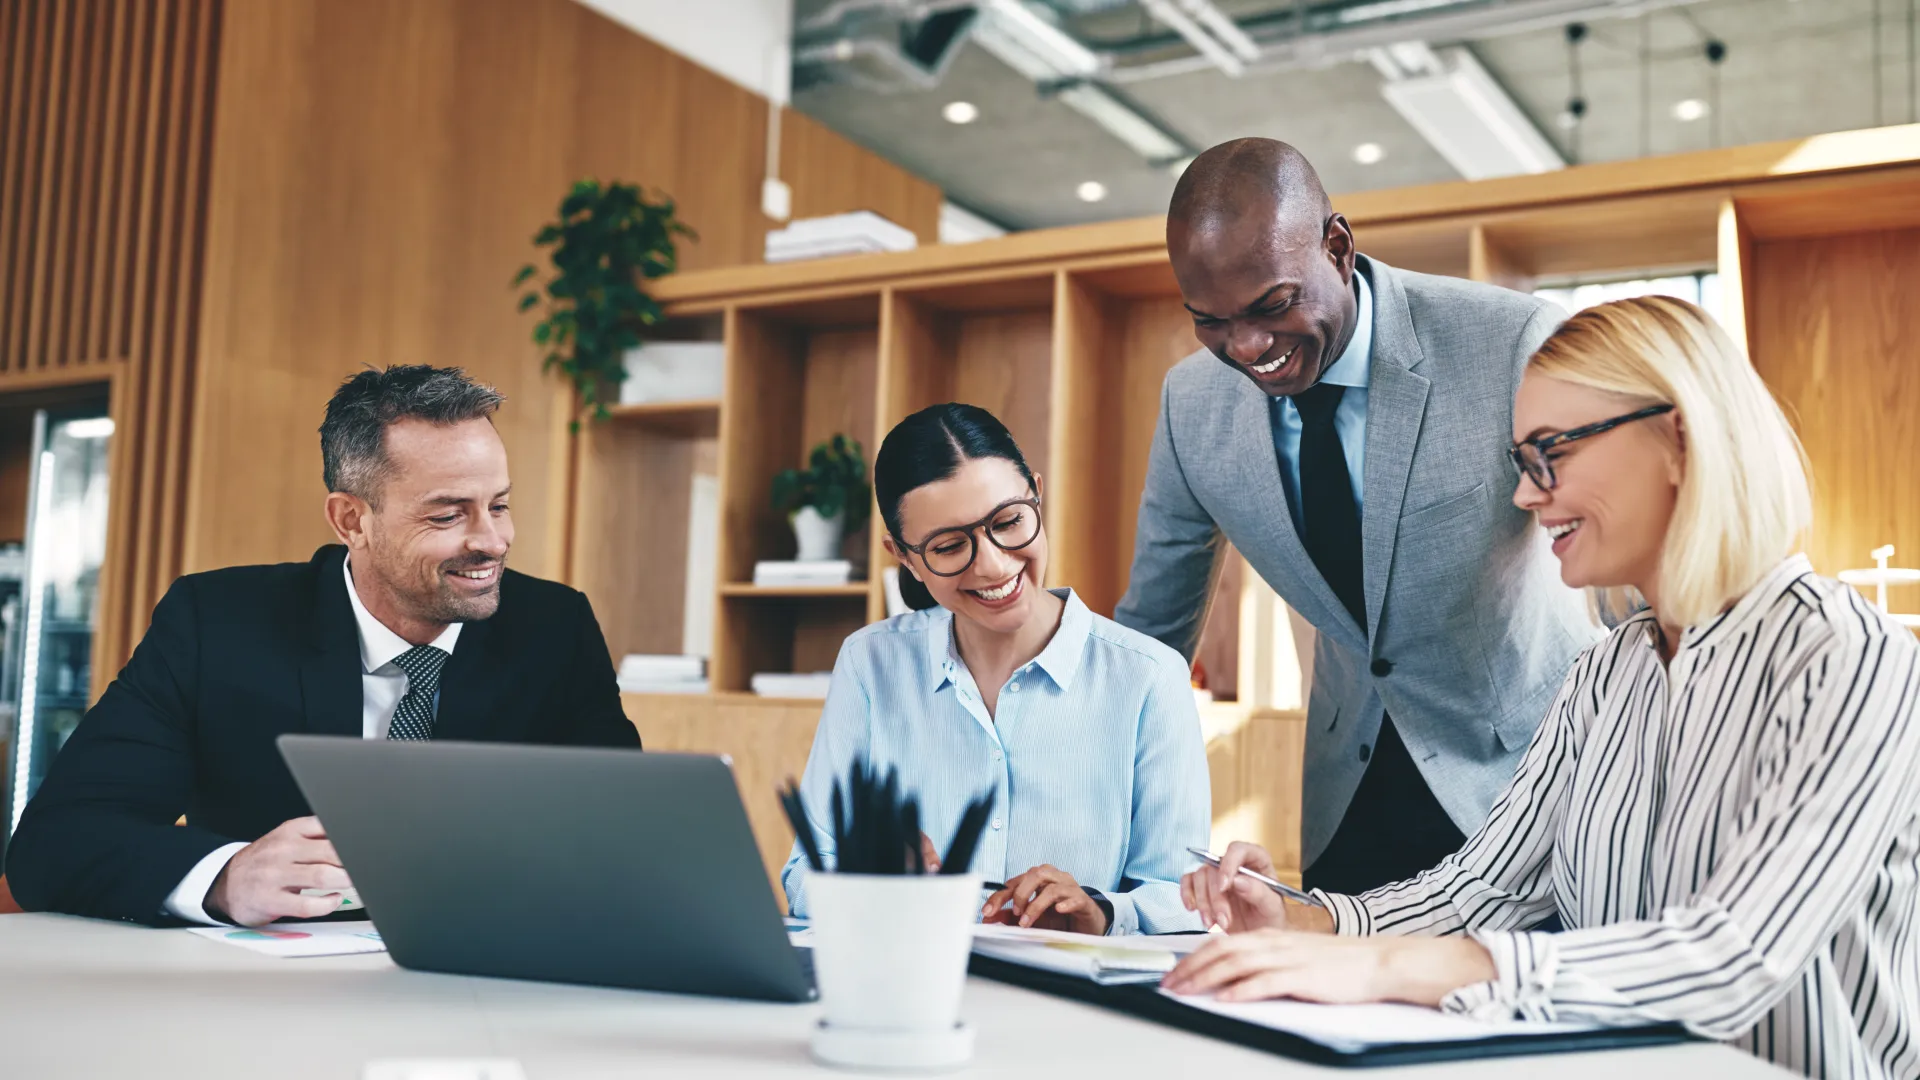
{"points": [[262, 881], [1045, 897], [1264, 964], [928, 854], [1236, 903]]}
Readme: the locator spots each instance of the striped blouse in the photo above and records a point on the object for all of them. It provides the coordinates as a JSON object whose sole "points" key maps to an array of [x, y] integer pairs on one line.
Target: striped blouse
{"points": [[1093, 754], [1733, 842]]}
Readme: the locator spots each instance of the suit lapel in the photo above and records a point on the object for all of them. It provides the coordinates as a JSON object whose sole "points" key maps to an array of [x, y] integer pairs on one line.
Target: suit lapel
{"points": [[1396, 407], [1299, 582], [331, 697], [469, 683]]}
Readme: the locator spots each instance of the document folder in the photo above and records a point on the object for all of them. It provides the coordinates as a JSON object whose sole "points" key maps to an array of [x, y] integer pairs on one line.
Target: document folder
{"points": [[1148, 1003]]}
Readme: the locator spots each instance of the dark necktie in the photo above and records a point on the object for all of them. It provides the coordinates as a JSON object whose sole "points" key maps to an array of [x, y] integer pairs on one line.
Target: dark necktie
{"points": [[413, 719], [1331, 519]]}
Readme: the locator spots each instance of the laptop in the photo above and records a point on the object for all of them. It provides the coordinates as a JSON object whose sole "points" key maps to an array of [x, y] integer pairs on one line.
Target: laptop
{"points": [[563, 864]]}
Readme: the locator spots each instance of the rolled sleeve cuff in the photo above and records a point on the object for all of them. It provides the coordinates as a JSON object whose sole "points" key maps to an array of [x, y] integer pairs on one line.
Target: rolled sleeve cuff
{"points": [[188, 899], [1350, 917], [1522, 985]]}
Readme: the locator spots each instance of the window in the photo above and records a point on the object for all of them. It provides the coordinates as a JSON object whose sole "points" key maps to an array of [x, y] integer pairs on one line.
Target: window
{"points": [[1701, 288]]}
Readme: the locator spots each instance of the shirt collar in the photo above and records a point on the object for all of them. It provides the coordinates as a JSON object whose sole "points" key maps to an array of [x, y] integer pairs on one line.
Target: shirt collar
{"points": [[1756, 600], [1352, 369], [380, 646], [1060, 659]]}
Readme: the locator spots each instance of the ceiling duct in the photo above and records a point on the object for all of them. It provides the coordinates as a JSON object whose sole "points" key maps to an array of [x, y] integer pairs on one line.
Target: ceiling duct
{"points": [[881, 48], [1460, 110]]}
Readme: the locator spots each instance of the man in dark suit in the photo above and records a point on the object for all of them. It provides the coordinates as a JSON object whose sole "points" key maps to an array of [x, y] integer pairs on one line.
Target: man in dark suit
{"points": [[411, 628]]}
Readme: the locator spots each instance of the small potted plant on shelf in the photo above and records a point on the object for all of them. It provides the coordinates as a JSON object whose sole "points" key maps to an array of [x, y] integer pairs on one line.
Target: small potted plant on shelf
{"points": [[609, 241], [826, 500]]}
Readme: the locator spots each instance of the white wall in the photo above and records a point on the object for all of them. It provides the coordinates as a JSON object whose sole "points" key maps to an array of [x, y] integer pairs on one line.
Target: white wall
{"points": [[746, 41]]}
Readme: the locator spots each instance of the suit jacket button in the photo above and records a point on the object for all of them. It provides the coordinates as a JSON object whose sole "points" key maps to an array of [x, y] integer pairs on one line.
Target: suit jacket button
{"points": [[1382, 666], [1365, 752]]}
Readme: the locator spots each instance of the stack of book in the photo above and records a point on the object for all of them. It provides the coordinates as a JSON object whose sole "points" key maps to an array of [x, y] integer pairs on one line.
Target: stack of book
{"points": [[812, 684], [794, 572], [858, 233], [649, 674]]}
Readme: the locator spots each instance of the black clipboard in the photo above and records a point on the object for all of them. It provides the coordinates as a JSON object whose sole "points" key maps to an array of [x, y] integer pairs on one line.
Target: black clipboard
{"points": [[1147, 1003]]}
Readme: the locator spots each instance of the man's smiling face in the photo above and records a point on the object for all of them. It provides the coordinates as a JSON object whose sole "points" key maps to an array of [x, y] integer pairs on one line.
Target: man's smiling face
{"points": [[1271, 293]]}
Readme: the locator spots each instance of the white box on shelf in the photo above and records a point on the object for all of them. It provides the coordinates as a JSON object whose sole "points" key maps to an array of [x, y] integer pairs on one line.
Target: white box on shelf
{"points": [[660, 667], [855, 233], [799, 685], [673, 371], [794, 572]]}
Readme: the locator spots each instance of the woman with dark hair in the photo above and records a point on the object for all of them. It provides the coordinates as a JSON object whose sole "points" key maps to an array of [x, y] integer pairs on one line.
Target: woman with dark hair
{"points": [[1084, 731]]}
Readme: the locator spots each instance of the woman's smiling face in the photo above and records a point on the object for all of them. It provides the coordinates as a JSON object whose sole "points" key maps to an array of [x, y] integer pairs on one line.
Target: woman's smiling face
{"points": [[1000, 590]]}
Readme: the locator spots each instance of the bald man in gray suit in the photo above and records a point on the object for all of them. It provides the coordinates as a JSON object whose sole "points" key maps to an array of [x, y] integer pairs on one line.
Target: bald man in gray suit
{"points": [[1346, 427]]}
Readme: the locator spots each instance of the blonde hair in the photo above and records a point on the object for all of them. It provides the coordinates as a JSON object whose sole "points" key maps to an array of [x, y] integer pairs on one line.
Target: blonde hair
{"points": [[1743, 503]]}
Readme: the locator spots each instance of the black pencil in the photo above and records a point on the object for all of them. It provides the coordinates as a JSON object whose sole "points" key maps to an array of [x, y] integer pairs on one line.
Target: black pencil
{"points": [[802, 831]]}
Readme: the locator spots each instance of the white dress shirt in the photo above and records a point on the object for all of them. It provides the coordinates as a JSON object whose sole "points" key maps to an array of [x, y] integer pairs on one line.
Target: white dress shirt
{"points": [[1732, 840], [382, 685]]}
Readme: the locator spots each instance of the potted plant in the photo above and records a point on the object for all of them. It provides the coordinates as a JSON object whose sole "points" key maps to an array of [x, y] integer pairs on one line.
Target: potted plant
{"points": [[825, 500], [608, 241]]}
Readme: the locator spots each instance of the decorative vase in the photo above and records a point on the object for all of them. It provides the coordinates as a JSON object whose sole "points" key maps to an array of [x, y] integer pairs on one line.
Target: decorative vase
{"points": [[818, 537]]}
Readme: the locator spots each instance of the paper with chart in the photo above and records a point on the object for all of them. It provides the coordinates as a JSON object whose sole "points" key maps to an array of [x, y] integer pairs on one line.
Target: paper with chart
{"points": [[299, 939], [1353, 1028]]}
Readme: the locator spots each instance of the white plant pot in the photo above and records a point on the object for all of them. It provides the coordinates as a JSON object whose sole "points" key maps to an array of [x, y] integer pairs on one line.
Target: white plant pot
{"points": [[890, 959], [818, 537]]}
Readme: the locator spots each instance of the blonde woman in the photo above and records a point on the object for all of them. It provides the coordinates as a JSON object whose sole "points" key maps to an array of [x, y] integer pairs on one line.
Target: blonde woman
{"points": [[1723, 804]]}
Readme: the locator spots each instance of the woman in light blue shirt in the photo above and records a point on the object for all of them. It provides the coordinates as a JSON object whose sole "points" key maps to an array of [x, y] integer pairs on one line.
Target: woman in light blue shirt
{"points": [[1084, 731]]}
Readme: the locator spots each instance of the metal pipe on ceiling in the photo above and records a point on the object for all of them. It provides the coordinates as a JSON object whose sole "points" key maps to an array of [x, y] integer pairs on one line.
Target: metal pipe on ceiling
{"points": [[1336, 32]]}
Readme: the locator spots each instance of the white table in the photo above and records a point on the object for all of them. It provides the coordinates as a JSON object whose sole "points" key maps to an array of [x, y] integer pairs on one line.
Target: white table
{"points": [[80, 998]]}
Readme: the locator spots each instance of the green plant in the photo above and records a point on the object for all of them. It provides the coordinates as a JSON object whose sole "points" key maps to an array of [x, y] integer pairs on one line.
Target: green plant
{"points": [[607, 242], [835, 478]]}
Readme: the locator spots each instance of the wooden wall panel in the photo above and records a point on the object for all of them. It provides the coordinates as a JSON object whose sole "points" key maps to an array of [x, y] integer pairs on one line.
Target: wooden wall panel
{"points": [[107, 110], [831, 176], [1836, 335], [380, 170]]}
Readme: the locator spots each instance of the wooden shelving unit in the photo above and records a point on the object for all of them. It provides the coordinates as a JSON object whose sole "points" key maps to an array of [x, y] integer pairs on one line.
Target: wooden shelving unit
{"points": [[1067, 334], [853, 590], [695, 419]]}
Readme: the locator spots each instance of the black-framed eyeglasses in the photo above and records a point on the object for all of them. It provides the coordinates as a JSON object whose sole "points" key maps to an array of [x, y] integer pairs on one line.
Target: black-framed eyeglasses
{"points": [[1530, 456], [949, 552]]}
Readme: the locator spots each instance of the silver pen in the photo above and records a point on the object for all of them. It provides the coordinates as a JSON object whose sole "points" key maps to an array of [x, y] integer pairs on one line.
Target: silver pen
{"points": [[1280, 887]]}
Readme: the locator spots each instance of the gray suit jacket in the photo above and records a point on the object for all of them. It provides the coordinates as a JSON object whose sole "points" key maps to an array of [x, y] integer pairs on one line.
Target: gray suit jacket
{"points": [[1463, 594]]}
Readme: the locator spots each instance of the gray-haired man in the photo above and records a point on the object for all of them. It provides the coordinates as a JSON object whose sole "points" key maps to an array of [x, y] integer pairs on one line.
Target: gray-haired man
{"points": [[411, 628]]}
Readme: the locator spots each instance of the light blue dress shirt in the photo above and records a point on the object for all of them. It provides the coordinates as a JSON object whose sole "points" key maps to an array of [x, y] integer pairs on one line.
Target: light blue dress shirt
{"points": [[1094, 756], [1349, 418]]}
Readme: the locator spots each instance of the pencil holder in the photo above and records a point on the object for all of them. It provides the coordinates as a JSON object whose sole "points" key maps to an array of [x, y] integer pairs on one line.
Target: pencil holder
{"points": [[890, 957]]}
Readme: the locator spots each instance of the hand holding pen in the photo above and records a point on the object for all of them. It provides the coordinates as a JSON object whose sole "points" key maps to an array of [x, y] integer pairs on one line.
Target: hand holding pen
{"points": [[1239, 892]]}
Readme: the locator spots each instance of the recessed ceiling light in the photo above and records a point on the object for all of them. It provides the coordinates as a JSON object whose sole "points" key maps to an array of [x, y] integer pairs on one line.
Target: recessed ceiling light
{"points": [[1091, 191], [1688, 110], [1369, 153], [960, 112]]}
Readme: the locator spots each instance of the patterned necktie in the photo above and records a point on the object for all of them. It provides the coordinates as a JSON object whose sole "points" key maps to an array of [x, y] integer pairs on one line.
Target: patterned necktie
{"points": [[413, 719], [1327, 509]]}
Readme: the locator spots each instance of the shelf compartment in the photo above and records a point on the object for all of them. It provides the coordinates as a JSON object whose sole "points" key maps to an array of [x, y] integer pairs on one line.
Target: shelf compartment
{"points": [[799, 633], [698, 418]]}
